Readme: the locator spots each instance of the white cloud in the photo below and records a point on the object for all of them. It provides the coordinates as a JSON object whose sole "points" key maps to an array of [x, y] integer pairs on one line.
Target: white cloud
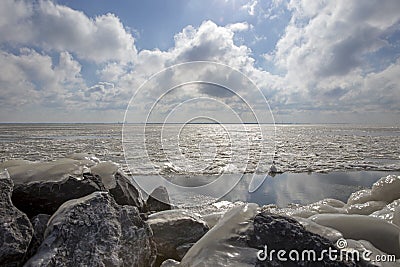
{"points": [[324, 56], [60, 28], [238, 27], [326, 51], [32, 78], [250, 7]]}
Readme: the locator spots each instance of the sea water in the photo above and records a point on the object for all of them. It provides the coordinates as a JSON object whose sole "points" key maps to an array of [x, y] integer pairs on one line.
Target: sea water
{"points": [[316, 161]]}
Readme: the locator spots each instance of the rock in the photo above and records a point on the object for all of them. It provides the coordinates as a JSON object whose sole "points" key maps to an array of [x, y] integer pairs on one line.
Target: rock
{"points": [[125, 193], [39, 223], [15, 228], [226, 243], [158, 200], [276, 232], [95, 231], [118, 184], [173, 229], [43, 187]]}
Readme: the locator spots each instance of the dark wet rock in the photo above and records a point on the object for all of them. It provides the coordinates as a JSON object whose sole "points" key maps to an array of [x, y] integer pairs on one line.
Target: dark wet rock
{"points": [[15, 228], [159, 200], [173, 229], [118, 184], [276, 232], [39, 223], [95, 231], [125, 193], [45, 186], [46, 196]]}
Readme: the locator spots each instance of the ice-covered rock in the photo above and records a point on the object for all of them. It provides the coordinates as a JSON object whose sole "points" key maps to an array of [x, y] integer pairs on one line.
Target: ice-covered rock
{"points": [[212, 218], [95, 231], [360, 197], [42, 187], [328, 205], [226, 243], [125, 193], [366, 208], [362, 246], [13, 162], [118, 184], [388, 212], [158, 200], [383, 235], [386, 189], [39, 223], [15, 228], [173, 230], [276, 232], [170, 263], [327, 232]]}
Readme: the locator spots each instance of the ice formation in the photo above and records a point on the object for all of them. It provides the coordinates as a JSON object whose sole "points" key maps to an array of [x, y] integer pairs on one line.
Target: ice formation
{"points": [[212, 249]]}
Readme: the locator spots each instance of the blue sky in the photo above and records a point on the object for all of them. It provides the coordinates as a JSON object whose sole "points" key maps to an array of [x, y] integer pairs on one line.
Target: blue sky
{"points": [[314, 61]]}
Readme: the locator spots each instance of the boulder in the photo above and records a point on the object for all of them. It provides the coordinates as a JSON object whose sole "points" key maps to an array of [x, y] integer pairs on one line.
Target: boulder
{"points": [[276, 232], [39, 223], [118, 184], [95, 231], [125, 193], [174, 231], [44, 186], [15, 228], [158, 200]]}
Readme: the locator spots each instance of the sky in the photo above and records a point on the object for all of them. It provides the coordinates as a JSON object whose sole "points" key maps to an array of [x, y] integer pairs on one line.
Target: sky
{"points": [[312, 61]]}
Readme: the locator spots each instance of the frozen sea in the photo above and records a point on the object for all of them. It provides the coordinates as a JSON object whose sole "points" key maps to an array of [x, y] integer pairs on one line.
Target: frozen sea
{"points": [[312, 161]]}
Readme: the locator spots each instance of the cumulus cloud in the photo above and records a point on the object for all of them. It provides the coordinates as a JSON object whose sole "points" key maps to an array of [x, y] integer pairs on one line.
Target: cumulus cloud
{"points": [[60, 28], [31, 78], [327, 49], [325, 60]]}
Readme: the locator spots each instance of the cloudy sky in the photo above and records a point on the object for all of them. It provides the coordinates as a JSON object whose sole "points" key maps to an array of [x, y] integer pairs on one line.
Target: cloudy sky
{"points": [[314, 61]]}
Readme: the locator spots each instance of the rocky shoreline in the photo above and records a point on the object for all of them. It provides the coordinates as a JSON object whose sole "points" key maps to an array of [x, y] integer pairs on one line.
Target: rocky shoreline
{"points": [[79, 211]]}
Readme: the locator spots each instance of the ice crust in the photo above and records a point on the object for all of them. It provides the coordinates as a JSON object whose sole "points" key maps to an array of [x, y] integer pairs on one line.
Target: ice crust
{"points": [[212, 249]]}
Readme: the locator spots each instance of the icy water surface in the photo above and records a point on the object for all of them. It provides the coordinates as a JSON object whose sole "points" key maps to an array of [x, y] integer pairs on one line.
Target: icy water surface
{"points": [[211, 149]]}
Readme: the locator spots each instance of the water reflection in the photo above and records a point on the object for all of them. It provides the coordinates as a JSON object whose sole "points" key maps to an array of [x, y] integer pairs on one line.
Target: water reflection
{"points": [[301, 188]]}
